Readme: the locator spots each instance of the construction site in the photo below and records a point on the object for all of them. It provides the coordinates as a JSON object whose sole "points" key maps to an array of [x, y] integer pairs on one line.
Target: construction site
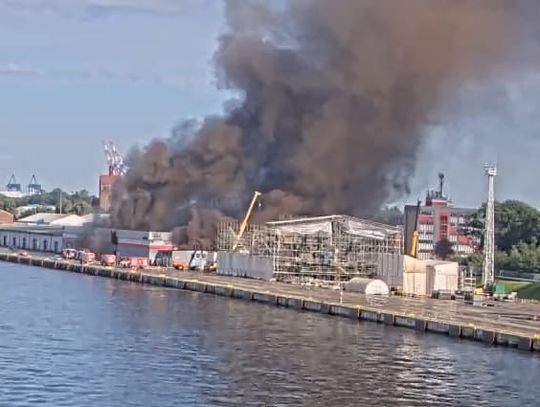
{"points": [[335, 248]]}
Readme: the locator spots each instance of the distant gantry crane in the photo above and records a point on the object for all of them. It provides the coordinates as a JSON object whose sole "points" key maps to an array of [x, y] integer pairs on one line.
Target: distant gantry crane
{"points": [[13, 185], [34, 187]]}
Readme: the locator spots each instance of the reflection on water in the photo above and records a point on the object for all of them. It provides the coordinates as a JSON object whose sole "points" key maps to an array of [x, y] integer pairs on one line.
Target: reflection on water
{"points": [[73, 340]]}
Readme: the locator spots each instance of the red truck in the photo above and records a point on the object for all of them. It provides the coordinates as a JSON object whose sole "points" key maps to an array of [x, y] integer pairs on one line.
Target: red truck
{"points": [[86, 256], [134, 263], [69, 254], [108, 260]]}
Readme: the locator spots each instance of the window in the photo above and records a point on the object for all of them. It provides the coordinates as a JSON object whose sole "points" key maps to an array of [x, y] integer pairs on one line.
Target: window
{"points": [[24, 242], [45, 245], [34, 244], [56, 247], [14, 241], [443, 230], [5, 240]]}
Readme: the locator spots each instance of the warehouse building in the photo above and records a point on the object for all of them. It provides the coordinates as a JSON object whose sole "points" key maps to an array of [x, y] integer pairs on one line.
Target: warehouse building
{"points": [[31, 237], [134, 243]]}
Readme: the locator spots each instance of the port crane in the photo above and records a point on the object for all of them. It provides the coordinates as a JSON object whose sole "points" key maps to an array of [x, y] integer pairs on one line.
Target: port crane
{"points": [[115, 161]]}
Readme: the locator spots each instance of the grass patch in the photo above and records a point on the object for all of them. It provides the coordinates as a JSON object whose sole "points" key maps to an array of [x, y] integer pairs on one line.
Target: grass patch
{"points": [[524, 289]]}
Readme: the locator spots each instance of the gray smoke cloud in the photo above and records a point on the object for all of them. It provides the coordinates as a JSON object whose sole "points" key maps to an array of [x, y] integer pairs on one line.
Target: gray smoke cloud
{"points": [[335, 98]]}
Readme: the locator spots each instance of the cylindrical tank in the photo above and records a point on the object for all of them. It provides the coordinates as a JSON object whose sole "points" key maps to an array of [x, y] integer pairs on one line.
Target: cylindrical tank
{"points": [[367, 286]]}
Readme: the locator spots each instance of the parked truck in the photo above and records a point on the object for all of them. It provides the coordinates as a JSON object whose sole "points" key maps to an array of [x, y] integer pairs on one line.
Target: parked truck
{"points": [[108, 260], [86, 256], [134, 263], [69, 254], [200, 260]]}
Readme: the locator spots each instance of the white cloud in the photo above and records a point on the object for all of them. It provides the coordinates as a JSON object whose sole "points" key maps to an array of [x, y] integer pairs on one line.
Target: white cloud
{"points": [[91, 6], [12, 69], [101, 74]]}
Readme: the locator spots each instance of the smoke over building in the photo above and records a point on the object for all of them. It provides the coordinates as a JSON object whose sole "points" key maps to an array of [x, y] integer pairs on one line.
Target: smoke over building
{"points": [[334, 101]]}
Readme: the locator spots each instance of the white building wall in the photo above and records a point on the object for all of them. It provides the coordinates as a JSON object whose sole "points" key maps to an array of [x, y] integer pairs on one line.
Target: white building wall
{"points": [[25, 240]]}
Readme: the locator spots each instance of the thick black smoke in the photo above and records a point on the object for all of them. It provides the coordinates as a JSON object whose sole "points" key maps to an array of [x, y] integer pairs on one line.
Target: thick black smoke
{"points": [[335, 97]]}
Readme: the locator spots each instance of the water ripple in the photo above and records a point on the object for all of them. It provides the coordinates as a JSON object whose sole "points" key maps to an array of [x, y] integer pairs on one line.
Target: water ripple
{"points": [[72, 340]]}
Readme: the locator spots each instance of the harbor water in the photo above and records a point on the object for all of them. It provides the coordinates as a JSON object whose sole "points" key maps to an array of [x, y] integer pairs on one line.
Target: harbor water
{"points": [[76, 340]]}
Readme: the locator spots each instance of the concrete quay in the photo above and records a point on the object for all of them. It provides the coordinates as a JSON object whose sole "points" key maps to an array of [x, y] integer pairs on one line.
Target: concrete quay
{"points": [[505, 324]]}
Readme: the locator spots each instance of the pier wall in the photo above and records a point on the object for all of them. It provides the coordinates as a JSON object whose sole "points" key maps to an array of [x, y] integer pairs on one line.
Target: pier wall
{"points": [[277, 298]]}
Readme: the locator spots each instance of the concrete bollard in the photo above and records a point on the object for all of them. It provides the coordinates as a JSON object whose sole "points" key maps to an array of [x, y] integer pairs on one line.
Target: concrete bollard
{"points": [[455, 331], [524, 343], [389, 319], [296, 303], [421, 325]]}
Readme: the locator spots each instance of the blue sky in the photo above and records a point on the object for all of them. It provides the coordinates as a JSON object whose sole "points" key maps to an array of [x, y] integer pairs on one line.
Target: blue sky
{"points": [[76, 72]]}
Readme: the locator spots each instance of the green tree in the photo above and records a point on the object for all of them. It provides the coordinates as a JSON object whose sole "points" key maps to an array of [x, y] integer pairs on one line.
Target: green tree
{"points": [[515, 222], [444, 249]]}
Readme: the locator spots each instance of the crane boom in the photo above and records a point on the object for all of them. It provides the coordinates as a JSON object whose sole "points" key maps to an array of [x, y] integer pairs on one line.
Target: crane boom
{"points": [[244, 223], [414, 240]]}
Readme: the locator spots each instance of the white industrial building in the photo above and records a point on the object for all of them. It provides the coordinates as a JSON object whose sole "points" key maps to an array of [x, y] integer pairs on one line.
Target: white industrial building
{"points": [[32, 237], [142, 244], [45, 232]]}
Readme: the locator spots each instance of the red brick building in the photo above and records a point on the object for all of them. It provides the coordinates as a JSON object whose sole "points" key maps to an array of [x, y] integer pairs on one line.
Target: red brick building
{"points": [[438, 220], [105, 185], [6, 217]]}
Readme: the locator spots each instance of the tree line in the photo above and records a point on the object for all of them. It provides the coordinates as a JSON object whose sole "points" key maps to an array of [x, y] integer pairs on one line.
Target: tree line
{"points": [[79, 203], [517, 236]]}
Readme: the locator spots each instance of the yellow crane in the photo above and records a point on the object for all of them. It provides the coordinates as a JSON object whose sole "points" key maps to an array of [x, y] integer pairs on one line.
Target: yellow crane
{"points": [[414, 240], [244, 223]]}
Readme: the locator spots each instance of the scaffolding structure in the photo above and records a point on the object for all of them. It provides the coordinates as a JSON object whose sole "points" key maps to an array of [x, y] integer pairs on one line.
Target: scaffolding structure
{"points": [[335, 247]]}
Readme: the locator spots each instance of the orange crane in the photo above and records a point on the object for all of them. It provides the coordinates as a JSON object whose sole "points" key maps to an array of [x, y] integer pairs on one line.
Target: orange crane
{"points": [[414, 241], [244, 223]]}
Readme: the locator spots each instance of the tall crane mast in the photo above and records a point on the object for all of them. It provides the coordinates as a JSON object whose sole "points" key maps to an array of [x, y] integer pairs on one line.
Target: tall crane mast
{"points": [[489, 230]]}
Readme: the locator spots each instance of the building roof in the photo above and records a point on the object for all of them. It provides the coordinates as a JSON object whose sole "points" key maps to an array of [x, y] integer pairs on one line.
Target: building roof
{"points": [[35, 229], [34, 207], [349, 224], [58, 219], [99, 218]]}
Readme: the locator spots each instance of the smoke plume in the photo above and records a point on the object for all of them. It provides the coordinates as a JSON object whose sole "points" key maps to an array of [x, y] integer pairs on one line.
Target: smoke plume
{"points": [[334, 100]]}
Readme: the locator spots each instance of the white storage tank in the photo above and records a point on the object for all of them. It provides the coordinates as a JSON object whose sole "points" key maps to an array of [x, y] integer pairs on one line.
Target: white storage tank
{"points": [[367, 286], [423, 277]]}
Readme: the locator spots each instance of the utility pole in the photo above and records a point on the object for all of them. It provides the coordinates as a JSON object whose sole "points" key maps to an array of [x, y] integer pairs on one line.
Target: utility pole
{"points": [[489, 230]]}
